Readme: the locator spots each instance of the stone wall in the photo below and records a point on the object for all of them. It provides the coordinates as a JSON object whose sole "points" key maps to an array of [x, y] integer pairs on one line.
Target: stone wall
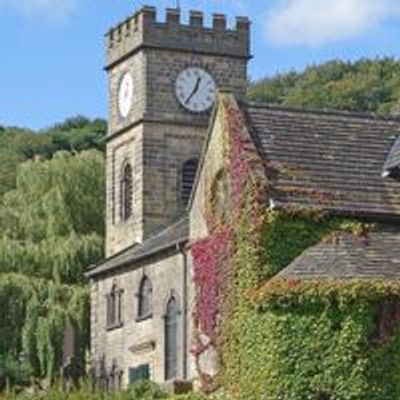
{"points": [[163, 68], [166, 148], [137, 343], [157, 138], [119, 233], [137, 67], [213, 162], [158, 135], [143, 30]]}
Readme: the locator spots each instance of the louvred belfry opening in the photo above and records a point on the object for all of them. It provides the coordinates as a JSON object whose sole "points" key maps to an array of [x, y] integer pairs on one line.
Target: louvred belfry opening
{"points": [[126, 192], [188, 175]]}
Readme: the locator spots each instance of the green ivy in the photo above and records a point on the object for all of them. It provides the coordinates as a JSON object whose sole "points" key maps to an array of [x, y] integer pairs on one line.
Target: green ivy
{"points": [[285, 236], [306, 341]]}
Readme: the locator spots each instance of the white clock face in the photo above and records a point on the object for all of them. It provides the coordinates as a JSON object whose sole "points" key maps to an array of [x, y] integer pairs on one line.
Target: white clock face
{"points": [[195, 89], [125, 95]]}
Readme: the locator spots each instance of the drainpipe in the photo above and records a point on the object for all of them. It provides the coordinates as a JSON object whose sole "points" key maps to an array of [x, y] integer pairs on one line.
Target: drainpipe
{"points": [[185, 281]]}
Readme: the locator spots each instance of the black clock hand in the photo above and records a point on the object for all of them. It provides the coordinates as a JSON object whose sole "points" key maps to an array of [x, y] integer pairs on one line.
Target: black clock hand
{"points": [[196, 88]]}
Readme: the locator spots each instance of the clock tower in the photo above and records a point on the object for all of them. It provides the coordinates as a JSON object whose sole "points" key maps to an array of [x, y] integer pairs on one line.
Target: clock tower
{"points": [[163, 79]]}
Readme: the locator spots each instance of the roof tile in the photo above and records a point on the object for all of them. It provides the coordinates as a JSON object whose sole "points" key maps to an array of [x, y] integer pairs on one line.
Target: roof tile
{"points": [[326, 159], [376, 256]]}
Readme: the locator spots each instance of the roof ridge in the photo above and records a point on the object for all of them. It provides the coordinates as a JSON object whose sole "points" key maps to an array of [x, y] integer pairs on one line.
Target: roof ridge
{"points": [[323, 111]]}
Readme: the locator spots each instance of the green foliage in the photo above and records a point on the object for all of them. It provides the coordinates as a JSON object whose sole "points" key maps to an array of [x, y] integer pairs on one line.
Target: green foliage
{"points": [[53, 221], [291, 340], [33, 323], [74, 134], [316, 350], [84, 393], [13, 141], [146, 390], [18, 144], [52, 230], [190, 396], [141, 391], [286, 235], [364, 85]]}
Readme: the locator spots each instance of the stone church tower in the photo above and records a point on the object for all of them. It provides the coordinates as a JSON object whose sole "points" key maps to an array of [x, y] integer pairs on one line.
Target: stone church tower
{"points": [[163, 79]]}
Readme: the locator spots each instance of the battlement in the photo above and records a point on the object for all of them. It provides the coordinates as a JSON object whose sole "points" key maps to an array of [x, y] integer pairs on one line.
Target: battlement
{"points": [[143, 30]]}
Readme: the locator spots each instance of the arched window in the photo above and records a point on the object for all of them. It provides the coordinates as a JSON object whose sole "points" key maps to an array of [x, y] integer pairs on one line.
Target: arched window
{"points": [[145, 299], [171, 339], [187, 179], [114, 307], [126, 192]]}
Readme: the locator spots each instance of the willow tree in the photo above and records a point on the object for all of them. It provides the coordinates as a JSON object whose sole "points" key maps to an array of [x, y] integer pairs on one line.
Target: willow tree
{"points": [[52, 224], [52, 228]]}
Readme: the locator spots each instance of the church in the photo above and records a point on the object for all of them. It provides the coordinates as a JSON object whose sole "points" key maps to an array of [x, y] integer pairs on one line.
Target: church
{"points": [[172, 88]]}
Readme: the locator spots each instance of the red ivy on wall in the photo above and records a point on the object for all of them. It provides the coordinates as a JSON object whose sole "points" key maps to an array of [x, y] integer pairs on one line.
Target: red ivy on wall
{"points": [[212, 255], [208, 255]]}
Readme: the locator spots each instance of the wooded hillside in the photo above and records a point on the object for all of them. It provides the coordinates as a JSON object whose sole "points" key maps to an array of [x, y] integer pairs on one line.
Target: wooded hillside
{"points": [[20, 144], [365, 85]]}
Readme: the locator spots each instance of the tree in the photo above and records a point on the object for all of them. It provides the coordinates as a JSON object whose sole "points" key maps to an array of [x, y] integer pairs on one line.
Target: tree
{"points": [[364, 85], [52, 230], [18, 144]]}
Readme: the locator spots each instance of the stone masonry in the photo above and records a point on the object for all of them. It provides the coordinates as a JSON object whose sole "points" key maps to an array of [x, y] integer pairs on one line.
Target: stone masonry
{"points": [[158, 132], [156, 138]]}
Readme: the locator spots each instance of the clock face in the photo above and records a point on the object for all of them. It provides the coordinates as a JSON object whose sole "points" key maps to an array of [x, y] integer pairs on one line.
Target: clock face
{"points": [[195, 89], [125, 95]]}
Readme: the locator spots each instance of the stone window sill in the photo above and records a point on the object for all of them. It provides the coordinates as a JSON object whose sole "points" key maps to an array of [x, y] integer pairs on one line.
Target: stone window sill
{"points": [[114, 327], [144, 318]]}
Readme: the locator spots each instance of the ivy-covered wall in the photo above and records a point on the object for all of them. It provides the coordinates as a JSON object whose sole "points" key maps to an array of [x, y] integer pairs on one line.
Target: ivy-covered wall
{"points": [[318, 341], [285, 339], [312, 340]]}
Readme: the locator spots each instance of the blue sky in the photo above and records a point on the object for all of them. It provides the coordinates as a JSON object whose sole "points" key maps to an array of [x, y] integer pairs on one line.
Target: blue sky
{"points": [[51, 51]]}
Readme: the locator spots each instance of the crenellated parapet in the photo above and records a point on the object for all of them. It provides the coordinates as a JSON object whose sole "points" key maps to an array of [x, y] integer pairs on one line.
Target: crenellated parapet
{"points": [[143, 30]]}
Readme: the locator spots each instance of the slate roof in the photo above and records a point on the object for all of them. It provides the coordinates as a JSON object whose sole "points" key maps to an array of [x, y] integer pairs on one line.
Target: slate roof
{"points": [[166, 239], [377, 256], [393, 160], [329, 160], [332, 160]]}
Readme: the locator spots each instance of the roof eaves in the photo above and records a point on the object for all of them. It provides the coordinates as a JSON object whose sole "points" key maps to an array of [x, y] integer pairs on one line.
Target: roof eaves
{"points": [[136, 258], [101, 267]]}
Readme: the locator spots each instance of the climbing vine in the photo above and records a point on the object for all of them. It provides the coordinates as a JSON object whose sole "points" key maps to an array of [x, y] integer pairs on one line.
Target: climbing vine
{"points": [[213, 256], [283, 338]]}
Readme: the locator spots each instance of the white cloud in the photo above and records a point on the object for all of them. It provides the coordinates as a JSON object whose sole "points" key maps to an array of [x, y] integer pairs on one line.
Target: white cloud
{"points": [[49, 9], [317, 22]]}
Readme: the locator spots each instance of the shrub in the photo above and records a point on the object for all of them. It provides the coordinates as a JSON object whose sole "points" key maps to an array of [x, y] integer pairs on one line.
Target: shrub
{"points": [[146, 390]]}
